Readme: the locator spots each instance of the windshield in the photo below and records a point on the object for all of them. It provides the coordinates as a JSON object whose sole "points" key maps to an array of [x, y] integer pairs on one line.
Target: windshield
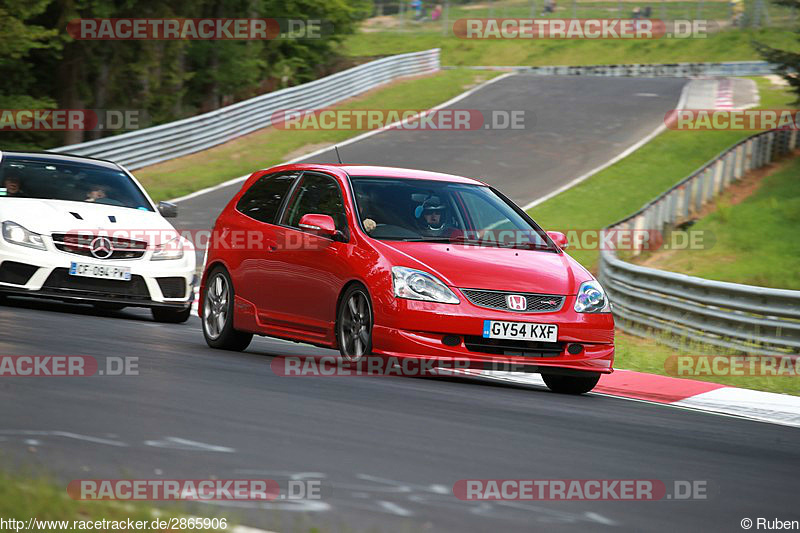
{"points": [[433, 211], [71, 181]]}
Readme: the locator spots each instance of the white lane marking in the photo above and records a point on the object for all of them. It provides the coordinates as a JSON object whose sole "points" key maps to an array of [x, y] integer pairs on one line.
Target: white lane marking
{"points": [[65, 434], [647, 95], [175, 443], [628, 151], [351, 140], [394, 509], [766, 406]]}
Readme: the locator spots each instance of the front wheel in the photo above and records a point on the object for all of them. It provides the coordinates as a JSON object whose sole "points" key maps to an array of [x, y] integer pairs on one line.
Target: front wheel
{"points": [[169, 315], [218, 314], [570, 384], [354, 321]]}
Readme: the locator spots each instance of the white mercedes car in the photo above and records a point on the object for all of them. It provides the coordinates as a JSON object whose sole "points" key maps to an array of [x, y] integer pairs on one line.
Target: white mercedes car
{"points": [[82, 229]]}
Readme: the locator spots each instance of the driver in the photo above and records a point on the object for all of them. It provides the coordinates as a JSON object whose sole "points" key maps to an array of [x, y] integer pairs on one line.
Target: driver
{"points": [[432, 216], [97, 192], [13, 185]]}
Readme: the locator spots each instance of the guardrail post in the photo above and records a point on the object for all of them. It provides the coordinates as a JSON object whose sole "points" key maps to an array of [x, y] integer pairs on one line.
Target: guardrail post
{"points": [[739, 162], [748, 155]]}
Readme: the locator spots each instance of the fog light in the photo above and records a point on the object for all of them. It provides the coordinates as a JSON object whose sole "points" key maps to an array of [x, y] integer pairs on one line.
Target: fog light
{"points": [[575, 349], [451, 340]]}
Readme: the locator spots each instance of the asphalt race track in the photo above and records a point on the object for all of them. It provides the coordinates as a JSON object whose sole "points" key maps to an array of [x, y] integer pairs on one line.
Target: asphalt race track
{"points": [[387, 451]]}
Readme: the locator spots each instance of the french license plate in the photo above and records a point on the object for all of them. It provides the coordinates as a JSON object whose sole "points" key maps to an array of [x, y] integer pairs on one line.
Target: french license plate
{"points": [[87, 270], [521, 331]]}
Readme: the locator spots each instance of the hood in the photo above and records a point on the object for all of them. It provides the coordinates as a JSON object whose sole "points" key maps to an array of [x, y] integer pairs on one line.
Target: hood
{"points": [[48, 216], [502, 269]]}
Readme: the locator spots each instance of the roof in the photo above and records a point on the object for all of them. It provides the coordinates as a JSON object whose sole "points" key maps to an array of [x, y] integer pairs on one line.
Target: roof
{"points": [[387, 172], [54, 157]]}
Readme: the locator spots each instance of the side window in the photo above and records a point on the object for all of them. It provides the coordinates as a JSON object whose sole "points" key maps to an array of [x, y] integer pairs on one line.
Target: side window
{"points": [[263, 199], [320, 195]]}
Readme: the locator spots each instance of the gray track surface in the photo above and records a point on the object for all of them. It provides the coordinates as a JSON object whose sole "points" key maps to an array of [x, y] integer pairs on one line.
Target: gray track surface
{"points": [[573, 125], [388, 450]]}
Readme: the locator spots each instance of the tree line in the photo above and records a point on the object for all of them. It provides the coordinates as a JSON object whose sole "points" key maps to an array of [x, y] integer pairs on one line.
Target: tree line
{"points": [[43, 67]]}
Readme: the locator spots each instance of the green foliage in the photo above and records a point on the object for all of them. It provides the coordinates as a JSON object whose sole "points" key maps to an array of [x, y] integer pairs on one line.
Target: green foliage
{"points": [[42, 66], [788, 61]]}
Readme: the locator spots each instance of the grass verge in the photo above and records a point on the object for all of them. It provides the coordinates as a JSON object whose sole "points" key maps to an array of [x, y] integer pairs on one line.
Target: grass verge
{"points": [[648, 355], [755, 241], [24, 498], [731, 45], [271, 146]]}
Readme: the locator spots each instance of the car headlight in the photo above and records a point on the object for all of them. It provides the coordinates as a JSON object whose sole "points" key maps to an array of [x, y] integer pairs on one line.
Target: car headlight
{"points": [[172, 249], [14, 233], [419, 285], [592, 298]]}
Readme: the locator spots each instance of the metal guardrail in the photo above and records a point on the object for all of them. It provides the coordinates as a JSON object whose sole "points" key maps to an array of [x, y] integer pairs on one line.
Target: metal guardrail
{"points": [[646, 70], [140, 148], [687, 310]]}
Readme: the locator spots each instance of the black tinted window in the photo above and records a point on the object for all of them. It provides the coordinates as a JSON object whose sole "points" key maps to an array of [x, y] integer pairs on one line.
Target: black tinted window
{"points": [[319, 195], [263, 199]]}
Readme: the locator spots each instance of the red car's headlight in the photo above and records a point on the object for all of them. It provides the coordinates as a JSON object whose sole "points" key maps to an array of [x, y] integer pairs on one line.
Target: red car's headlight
{"points": [[419, 285]]}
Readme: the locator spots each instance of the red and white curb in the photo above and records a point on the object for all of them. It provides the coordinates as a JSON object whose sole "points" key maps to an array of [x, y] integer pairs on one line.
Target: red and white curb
{"points": [[714, 398], [724, 97]]}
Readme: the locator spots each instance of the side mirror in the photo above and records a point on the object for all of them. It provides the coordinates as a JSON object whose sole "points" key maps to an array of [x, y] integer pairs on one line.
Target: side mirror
{"points": [[167, 209], [559, 238], [319, 224]]}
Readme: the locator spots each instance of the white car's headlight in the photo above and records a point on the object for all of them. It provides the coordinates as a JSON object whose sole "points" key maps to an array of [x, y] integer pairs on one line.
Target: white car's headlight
{"points": [[14, 233], [172, 249], [592, 298], [419, 285]]}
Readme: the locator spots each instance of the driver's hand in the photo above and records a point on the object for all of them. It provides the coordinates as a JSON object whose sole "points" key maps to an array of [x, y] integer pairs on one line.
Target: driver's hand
{"points": [[369, 224]]}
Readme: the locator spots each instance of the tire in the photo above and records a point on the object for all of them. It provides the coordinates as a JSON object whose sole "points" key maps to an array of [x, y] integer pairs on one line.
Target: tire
{"points": [[171, 316], [354, 323], [570, 384], [217, 315]]}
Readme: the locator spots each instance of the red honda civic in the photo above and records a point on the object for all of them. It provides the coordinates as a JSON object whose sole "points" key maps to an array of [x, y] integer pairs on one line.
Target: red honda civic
{"points": [[377, 261]]}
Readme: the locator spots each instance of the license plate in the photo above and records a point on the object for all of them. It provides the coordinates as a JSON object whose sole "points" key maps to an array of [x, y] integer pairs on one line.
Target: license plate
{"points": [[88, 270], [521, 331]]}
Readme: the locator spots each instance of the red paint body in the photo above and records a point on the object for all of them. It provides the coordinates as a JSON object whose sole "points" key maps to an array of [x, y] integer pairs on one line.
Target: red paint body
{"points": [[293, 292]]}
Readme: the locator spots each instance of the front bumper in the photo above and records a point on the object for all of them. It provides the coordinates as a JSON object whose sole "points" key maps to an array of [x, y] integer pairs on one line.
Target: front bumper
{"points": [[45, 273], [426, 330]]}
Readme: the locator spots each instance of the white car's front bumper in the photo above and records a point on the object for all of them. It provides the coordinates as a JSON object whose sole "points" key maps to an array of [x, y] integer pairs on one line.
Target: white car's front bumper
{"points": [[47, 275]]}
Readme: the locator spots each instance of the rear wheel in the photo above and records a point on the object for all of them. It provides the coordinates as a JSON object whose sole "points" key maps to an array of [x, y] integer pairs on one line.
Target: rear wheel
{"points": [[570, 384], [218, 314], [171, 316], [354, 322]]}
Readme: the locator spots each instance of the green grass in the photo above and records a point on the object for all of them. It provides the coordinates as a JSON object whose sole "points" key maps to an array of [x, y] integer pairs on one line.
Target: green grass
{"points": [[629, 184], [647, 355], [271, 146], [755, 241], [734, 45], [26, 497]]}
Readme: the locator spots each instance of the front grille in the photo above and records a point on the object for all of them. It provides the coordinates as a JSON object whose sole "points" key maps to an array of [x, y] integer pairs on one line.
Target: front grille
{"points": [[80, 244], [61, 280], [17, 273], [172, 287], [536, 303], [475, 343]]}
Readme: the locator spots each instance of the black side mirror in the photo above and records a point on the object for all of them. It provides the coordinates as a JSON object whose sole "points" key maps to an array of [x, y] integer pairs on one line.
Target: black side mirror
{"points": [[167, 209]]}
